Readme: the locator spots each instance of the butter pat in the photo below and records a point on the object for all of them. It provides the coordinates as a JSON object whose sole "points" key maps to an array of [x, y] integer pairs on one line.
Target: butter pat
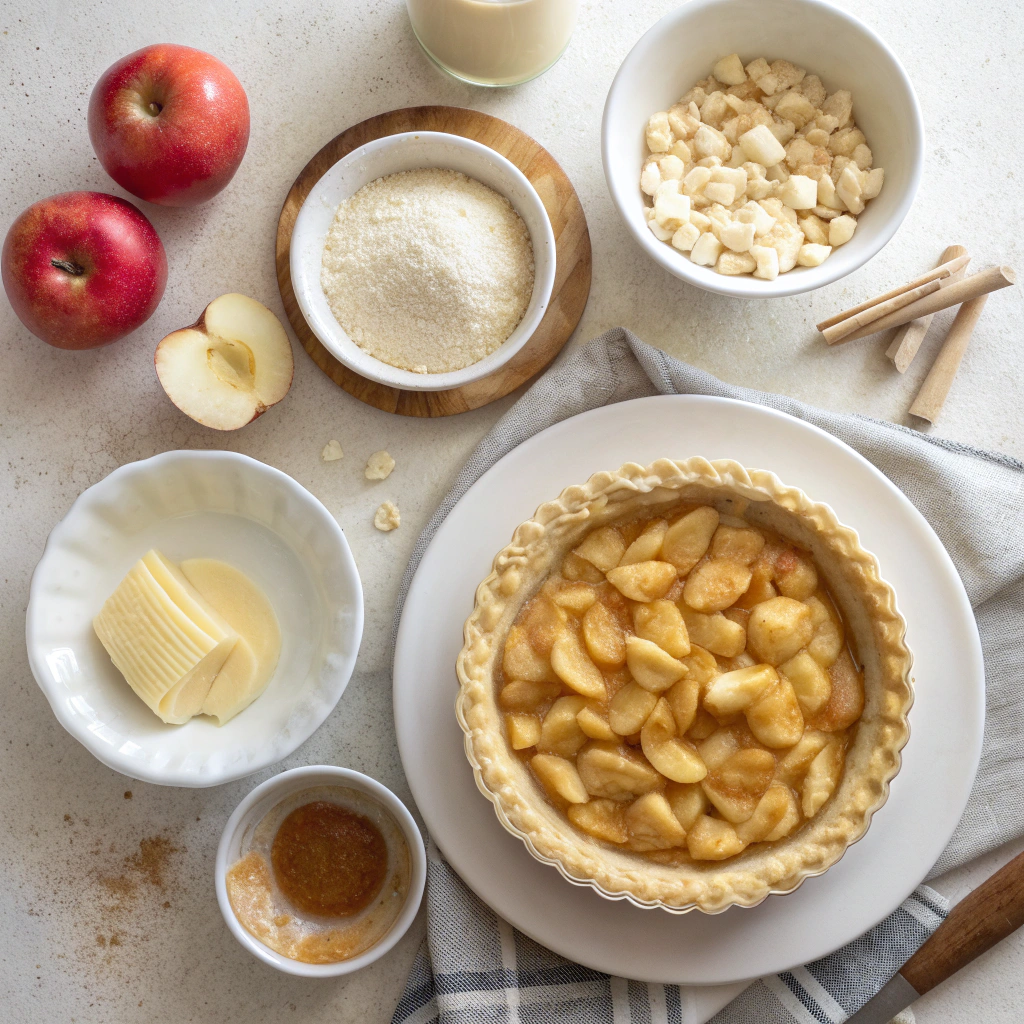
{"points": [[250, 665], [166, 641], [204, 640]]}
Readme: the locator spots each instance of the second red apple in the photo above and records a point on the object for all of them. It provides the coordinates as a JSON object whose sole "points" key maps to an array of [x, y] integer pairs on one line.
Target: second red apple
{"points": [[170, 124]]}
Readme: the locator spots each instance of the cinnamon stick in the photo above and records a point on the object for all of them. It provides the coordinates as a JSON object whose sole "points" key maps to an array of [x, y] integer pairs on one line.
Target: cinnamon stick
{"points": [[935, 388], [908, 338], [953, 294], [943, 270], [840, 330]]}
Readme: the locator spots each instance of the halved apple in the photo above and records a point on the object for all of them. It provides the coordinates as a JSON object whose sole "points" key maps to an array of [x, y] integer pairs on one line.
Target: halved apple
{"points": [[230, 366]]}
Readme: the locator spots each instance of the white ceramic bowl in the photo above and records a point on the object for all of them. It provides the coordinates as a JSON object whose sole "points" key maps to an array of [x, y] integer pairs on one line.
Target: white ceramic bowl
{"points": [[682, 48], [192, 504], [407, 152], [248, 814]]}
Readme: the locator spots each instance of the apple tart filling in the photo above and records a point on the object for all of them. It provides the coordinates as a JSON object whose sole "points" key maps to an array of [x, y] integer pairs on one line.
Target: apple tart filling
{"points": [[682, 687]]}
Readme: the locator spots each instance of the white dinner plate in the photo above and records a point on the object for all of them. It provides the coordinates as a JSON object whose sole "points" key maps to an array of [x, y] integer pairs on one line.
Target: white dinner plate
{"points": [[195, 504], [906, 835]]}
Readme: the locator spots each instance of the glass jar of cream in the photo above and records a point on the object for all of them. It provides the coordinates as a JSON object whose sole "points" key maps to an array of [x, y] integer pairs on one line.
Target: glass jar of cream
{"points": [[493, 42]]}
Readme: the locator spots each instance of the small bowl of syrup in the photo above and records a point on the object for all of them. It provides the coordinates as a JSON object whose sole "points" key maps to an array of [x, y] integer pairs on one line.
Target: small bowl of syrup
{"points": [[320, 871]]}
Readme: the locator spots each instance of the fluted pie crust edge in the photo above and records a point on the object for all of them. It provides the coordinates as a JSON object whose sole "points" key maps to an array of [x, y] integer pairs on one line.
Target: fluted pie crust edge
{"points": [[868, 607]]}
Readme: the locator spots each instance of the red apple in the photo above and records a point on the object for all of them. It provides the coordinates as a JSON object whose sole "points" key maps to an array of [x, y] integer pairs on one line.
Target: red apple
{"points": [[170, 124], [82, 269]]}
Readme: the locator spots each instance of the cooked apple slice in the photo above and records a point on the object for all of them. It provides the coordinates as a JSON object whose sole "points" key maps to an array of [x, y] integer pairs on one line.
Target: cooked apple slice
{"points": [[230, 366]]}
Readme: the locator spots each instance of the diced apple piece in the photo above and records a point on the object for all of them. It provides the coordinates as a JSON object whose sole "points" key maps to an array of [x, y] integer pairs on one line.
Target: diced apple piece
{"points": [[647, 546], [741, 544], [799, 192], [607, 771], [776, 719], [810, 681], [575, 597], [774, 807], [653, 668], [735, 691], [739, 237], [822, 778], [672, 210], [662, 623], [729, 70], [733, 263], [659, 133], [523, 731], [767, 260], [716, 584], [812, 255], [229, 367], [713, 839], [560, 778], [687, 802], [715, 633], [794, 763], [560, 732], [778, 628], [594, 724], [685, 237], [841, 230], [601, 819], [603, 548], [630, 708], [522, 661], [674, 758], [684, 699], [643, 581], [605, 640], [761, 146], [573, 666], [652, 825], [527, 695]]}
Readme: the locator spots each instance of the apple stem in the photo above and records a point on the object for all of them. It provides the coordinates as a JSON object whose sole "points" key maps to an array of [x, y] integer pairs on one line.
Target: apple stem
{"points": [[71, 268], [155, 108]]}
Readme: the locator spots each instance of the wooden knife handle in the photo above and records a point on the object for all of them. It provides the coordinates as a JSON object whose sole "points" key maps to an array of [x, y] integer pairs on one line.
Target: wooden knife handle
{"points": [[981, 919]]}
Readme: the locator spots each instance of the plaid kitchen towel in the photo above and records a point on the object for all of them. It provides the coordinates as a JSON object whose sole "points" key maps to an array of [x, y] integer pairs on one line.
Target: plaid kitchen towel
{"points": [[474, 968]]}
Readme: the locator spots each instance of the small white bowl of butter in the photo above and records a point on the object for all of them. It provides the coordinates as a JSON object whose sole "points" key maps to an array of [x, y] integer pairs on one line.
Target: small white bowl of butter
{"points": [[187, 505], [393, 154]]}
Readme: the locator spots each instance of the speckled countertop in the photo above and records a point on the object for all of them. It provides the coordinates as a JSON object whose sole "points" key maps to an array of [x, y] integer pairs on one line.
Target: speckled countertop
{"points": [[95, 926]]}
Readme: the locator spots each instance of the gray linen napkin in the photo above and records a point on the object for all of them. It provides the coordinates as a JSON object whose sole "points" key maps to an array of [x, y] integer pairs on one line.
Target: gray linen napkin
{"points": [[475, 968]]}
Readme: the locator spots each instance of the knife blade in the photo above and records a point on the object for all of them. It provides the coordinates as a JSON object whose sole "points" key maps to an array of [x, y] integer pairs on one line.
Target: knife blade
{"points": [[985, 916]]}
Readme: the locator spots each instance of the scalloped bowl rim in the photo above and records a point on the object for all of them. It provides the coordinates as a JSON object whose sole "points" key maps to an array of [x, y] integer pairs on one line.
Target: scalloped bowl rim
{"points": [[339, 678]]}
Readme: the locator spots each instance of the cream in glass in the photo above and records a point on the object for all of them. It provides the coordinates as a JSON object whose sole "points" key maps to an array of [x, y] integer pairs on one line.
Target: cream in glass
{"points": [[494, 42]]}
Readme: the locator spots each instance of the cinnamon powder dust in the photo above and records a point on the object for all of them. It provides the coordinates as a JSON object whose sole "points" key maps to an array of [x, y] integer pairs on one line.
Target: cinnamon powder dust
{"points": [[115, 891]]}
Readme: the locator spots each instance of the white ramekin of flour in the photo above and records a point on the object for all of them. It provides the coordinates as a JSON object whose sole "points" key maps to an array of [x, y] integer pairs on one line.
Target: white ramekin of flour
{"points": [[405, 251]]}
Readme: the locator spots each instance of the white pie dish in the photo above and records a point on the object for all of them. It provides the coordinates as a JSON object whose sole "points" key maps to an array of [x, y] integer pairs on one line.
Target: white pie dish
{"points": [[195, 504], [389, 155], [681, 49], [616, 937], [248, 814]]}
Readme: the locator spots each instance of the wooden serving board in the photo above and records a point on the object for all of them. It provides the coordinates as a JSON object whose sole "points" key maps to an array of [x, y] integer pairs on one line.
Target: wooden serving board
{"points": [[572, 249]]}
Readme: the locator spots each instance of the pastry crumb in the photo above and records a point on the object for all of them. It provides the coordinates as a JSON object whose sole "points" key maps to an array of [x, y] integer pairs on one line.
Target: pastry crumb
{"points": [[387, 517], [379, 466], [332, 452]]}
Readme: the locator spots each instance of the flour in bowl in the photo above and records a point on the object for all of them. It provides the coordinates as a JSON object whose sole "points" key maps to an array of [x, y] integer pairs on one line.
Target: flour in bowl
{"points": [[428, 270]]}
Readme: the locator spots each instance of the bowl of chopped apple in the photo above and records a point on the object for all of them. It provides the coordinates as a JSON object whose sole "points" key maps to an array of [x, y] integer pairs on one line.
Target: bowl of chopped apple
{"points": [[762, 148]]}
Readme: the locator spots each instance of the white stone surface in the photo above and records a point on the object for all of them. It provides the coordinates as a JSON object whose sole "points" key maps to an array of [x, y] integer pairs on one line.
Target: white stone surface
{"points": [[67, 419]]}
